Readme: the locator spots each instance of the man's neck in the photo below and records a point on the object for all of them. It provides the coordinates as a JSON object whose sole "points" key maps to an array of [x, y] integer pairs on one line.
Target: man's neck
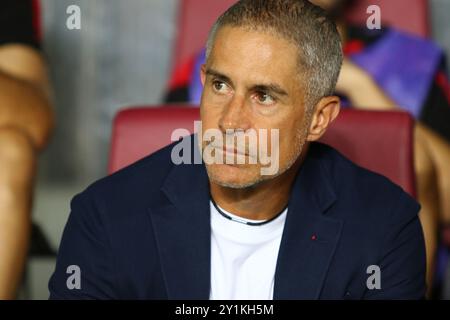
{"points": [[260, 202]]}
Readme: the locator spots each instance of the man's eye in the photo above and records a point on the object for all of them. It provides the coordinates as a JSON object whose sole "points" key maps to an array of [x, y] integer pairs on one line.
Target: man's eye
{"points": [[219, 86], [265, 99]]}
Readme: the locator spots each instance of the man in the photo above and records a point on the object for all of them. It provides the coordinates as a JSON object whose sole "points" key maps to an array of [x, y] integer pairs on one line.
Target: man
{"points": [[25, 124], [312, 229], [378, 73]]}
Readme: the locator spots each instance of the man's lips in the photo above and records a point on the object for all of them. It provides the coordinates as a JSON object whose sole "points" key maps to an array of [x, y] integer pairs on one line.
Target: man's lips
{"points": [[229, 150]]}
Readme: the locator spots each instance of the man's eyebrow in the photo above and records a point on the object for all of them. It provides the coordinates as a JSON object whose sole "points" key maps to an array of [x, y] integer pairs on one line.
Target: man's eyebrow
{"points": [[218, 75], [270, 87]]}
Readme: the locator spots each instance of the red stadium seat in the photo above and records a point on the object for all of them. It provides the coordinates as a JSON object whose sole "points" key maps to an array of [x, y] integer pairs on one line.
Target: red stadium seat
{"points": [[195, 18], [379, 141], [407, 15]]}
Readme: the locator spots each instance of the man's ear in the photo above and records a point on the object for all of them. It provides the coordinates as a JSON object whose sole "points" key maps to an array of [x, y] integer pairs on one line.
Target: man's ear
{"points": [[326, 110], [203, 74]]}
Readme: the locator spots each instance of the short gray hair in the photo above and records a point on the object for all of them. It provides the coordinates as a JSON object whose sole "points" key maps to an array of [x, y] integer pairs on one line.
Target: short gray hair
{"points": [[300, 22]]}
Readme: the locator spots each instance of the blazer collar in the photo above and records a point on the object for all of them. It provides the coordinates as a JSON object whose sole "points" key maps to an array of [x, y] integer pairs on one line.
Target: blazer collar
{"points": [[181, 221], [180, 216], [310, 237]]}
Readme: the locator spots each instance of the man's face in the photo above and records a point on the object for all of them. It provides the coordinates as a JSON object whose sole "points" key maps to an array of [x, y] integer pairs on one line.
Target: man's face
{"points": [[251, 82]]}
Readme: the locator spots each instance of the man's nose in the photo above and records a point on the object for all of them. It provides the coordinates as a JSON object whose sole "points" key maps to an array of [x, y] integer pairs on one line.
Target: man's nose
{"points": [[235, 116]]}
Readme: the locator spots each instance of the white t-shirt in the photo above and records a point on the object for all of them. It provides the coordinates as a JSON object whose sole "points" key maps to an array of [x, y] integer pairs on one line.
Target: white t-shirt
{"points": [[243, 257]]}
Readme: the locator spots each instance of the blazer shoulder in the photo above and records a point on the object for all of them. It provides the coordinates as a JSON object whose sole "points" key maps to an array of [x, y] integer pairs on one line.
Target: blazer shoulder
{"points": [[149, 170], [132, 186], [364, 187]]}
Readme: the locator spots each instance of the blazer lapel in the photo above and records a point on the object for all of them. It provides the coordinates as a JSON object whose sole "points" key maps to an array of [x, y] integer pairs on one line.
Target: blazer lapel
{"points": [[181, 224], [309, 237]]}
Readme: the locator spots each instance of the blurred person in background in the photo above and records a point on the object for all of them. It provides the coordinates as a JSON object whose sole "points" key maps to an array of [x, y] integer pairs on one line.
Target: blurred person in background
{"points": [[375, 60], [26, 121], [380, 73]]}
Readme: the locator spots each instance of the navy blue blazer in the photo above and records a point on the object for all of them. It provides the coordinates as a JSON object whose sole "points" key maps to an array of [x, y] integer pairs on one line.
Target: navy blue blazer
{"points": [[144, 233]]}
